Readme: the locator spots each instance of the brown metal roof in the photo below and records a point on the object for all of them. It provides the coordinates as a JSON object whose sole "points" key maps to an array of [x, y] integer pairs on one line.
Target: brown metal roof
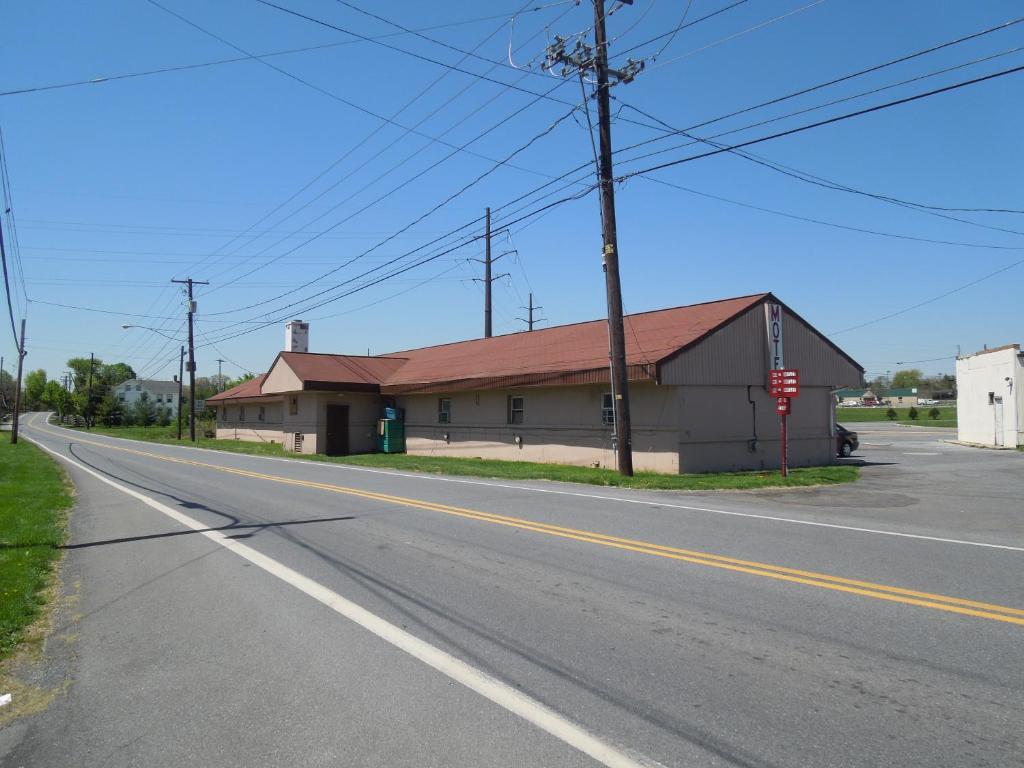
{"points": [[562, 354], [250, 388], [566, 354], [341, 369]]}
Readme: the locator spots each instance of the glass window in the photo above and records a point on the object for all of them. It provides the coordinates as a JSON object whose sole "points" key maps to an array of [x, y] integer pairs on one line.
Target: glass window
{"points": [[241, 413], [607, 409], [444, 410], [293, 405], [263, 413], [138, 387], [515, 409]]}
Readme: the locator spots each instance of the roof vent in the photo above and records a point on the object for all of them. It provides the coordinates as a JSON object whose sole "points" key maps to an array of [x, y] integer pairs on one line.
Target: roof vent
{"points": [[296, 336]]}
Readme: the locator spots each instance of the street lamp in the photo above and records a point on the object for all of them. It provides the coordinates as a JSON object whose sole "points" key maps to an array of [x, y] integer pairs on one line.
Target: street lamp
{"points": [[154, 330]]}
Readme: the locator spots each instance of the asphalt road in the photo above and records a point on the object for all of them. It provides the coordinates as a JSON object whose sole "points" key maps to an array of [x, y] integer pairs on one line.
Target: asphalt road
{"points": [[239, 611]]}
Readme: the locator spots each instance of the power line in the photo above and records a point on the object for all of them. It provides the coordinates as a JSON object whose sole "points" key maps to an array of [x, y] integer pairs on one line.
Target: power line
{"points": [[408, 226], [829, 121], [269, 54], [826, 223], [380, 152], [932, 300]]}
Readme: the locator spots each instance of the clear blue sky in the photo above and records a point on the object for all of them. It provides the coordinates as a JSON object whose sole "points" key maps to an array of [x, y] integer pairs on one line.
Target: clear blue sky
{"points": [[120, 186]]}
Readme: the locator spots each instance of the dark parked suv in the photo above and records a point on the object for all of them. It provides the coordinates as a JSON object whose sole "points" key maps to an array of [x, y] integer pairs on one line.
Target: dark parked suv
{"points": [[846, 441]]}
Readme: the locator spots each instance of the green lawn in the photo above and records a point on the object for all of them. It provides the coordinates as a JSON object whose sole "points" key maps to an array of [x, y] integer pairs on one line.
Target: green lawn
{"points": [[519, 470], [34, 498], [947, 416]]}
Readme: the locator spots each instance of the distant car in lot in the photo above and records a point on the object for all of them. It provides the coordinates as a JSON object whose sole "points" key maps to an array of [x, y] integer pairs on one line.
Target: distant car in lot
{"points": [[927, 402], [846, 441]]}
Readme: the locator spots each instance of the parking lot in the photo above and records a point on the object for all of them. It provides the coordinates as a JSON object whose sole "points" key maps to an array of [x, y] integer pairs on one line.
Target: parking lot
{"points": [[915, 478]]}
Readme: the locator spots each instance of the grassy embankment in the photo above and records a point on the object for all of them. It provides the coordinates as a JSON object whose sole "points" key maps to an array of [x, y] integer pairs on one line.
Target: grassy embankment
{"points": [[520, 470], [946, 419], [34, 498]]}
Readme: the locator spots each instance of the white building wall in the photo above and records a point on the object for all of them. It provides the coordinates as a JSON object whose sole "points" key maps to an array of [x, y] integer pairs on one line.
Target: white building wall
{"points": [[131, 391], [990, 401]]}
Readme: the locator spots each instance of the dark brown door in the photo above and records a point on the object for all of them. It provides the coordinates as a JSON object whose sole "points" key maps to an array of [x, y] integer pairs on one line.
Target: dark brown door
{"points": [[337, 430]]}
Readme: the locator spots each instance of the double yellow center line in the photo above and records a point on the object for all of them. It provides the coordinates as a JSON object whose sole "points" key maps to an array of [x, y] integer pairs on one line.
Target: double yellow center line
{"points": [[753, 568]]}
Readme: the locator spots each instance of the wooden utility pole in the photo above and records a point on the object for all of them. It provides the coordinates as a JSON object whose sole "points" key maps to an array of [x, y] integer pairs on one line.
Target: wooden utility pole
{"points": [[487, 277], [220, 375], [181, 375], [88, 396], [17, 387], [582, 59], [191, 357]]}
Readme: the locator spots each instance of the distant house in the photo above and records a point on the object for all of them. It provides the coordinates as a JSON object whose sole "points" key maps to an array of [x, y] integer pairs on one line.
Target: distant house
{"points": [[698, 388], [847, 398], [990, 400], [901, 398], [162, 394]]}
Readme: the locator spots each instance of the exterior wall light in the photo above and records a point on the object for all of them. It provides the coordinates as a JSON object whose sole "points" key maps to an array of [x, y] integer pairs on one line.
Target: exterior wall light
{"points": [[446, 437], [519, 440]]}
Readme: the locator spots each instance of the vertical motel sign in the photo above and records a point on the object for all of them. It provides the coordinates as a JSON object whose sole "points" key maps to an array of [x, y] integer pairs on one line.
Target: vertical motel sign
{"points": [[783, 383]]}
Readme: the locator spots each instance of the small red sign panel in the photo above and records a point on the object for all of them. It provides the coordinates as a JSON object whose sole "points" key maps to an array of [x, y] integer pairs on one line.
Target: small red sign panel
{"points": [[784, 383], [782, 405]]}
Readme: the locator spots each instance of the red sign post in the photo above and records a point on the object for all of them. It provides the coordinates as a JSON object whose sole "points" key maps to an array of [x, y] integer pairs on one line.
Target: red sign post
{"points": [[784, 385]]}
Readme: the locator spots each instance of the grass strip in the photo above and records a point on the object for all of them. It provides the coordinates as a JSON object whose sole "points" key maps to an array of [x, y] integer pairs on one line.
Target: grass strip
{"points": [[34, 498], [519, 470], [947, 417]]}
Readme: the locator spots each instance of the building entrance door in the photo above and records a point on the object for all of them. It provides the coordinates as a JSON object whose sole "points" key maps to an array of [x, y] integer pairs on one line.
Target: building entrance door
{"points": [[337, 430], [997, 404]]}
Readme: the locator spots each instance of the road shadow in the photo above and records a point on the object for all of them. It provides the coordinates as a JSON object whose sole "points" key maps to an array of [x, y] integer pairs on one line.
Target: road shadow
{"points": [[251, 530]]}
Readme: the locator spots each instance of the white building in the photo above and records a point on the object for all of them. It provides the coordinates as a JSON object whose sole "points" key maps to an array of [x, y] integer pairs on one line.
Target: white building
{"points": [[162, 394], [990, 397]]}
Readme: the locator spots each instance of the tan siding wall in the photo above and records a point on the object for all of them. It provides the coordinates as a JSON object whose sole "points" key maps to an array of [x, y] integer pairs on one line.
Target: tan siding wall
{"points": [[561, 425], [717, 429], [738, 354], [281, 378]]}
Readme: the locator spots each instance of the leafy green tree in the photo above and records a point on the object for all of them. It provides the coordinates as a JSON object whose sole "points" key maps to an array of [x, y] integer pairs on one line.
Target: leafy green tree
{"points": [[163, 417], [913, 414], [934, 413], [56, 397], [35, 384], [110, 411], [907, 378], [143, 411], [891, 414], [116, 373]]}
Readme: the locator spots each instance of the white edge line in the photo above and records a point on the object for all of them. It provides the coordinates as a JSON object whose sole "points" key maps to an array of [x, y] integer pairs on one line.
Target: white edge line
{"points": [[489, 687], [581, 495]]}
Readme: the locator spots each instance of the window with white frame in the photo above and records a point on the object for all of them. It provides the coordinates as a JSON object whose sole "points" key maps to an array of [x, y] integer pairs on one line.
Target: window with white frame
{"points": [[515, 409], [444, 410], [607, 409]]}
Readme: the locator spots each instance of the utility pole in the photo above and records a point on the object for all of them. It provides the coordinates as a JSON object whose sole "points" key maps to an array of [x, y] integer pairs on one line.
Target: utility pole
{"points": [[529, 317], [88, 397], [181, 375], [582, 59], [220, 376], [17, 389], [488, 279], [191, 357]]}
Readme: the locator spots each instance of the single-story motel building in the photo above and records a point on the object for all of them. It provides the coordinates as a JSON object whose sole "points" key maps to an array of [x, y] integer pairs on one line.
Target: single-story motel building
{"points": [[698, 388]]}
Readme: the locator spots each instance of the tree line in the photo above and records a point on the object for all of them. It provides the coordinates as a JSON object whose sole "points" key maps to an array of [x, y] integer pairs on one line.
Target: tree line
{"points": [[91, 394]]}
